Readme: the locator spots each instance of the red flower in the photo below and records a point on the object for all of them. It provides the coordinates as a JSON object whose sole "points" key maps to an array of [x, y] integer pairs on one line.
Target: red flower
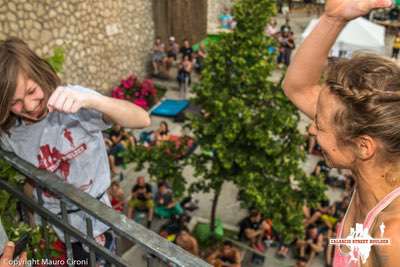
{"points": [[142, 94], [59, 246], [129, 83], [148, 87], [141, 103], [118, 93]]}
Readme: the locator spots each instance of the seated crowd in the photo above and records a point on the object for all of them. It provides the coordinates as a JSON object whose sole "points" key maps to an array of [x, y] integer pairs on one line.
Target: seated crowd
{"points": [[320, 222], [183, 56], [255, 230], [173, 54]]}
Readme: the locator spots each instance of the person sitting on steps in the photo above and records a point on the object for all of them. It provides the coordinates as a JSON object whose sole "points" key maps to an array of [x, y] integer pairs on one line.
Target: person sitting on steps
{"points": [[141, 200], [226, 256], [166, 206]]}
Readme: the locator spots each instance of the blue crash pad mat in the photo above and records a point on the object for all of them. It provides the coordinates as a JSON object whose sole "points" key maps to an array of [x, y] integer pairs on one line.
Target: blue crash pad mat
{"points": [[170, 108]]}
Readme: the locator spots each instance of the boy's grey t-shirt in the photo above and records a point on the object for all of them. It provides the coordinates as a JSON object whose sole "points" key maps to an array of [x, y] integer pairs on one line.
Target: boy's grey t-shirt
{"points": [[71, 146]]}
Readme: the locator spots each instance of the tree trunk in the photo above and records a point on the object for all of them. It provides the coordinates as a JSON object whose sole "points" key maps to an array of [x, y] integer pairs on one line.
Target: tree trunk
{"points": [[217, 193]]}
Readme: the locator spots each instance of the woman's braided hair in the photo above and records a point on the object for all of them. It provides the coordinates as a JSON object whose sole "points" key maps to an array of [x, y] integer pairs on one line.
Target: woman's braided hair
{"points": [[369, 87]]}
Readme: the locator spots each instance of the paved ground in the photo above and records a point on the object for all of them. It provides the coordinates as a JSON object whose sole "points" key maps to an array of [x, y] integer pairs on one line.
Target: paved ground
{"points": [[228, 209]]}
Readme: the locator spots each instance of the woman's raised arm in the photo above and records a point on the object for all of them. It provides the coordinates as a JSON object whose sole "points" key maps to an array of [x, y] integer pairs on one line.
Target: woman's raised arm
{"points": [[301, 83]]}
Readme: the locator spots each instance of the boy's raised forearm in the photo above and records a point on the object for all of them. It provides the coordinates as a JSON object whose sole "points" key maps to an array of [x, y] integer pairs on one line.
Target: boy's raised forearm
{"points": [[121, 112]]}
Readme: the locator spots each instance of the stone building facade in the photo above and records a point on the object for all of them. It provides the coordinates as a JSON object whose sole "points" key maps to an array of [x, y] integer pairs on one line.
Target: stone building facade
{"points": [[103, 40]]}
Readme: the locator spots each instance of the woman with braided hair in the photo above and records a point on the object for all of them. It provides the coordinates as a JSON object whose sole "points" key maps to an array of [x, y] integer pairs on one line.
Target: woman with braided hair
{"points": [[356, 114]]}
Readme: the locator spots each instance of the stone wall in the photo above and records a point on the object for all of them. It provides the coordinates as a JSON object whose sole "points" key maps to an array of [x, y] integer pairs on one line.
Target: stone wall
{"points": [[103, 40], [215, 7]]}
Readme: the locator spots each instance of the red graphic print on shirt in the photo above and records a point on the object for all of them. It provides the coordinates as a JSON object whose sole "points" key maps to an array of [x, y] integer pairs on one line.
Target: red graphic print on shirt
{"points": [[68, 136], [52, 159]]}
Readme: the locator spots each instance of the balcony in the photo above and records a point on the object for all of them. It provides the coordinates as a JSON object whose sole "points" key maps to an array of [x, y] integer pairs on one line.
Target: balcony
{"points": [[124, 229]]}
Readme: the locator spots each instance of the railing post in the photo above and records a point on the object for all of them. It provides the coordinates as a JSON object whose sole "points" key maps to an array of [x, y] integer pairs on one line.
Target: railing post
{"points": [[67, 238], [89, 230], [45, 233]]}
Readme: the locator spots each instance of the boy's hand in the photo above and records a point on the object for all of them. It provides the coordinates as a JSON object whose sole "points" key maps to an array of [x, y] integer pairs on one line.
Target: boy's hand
{"points": [[7, 259], [345, 10], [67, 100]]}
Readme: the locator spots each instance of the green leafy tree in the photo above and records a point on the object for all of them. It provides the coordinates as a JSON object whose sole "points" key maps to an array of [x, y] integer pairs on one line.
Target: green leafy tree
{"points": [[248, 129]]}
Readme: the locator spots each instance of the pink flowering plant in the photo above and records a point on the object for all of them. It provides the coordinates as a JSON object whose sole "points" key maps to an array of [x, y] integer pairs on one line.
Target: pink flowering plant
{"points": [[143, 94]]}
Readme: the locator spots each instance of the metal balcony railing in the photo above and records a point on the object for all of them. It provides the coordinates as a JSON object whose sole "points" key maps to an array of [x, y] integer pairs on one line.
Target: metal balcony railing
{"points": [[122, 227]]}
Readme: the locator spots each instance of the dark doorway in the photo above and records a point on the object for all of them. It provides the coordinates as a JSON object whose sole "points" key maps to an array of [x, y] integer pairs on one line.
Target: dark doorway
{"points": [[181, 19]]}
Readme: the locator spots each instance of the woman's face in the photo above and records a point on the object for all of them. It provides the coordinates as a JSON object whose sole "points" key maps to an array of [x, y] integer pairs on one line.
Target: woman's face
{"points": [[29, 101], [323, 128]]}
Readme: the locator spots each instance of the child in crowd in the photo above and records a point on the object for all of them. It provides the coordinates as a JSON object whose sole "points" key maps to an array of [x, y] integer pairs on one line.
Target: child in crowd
{"points": [[59, 129], [159, 55], [162, 133], [116, 195], [184, 75]]}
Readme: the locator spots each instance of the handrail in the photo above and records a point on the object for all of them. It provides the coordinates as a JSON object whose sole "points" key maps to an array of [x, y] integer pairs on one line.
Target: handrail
{"points": [[126, 228]]}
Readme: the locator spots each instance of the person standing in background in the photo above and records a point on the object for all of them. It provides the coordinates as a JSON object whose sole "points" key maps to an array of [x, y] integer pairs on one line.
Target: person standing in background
{"points": [[396, 45]]}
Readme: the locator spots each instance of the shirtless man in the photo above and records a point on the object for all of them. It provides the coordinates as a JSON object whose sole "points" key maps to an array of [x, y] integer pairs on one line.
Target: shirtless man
{"points": [[227, 256], [187, 242]]}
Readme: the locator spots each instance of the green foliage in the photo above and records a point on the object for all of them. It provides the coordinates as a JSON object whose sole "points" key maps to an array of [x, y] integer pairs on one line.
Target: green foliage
{"points": [[8, 204], [164, 163], [37, 243], [57, 59], [248, 133], [11, 221]]}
